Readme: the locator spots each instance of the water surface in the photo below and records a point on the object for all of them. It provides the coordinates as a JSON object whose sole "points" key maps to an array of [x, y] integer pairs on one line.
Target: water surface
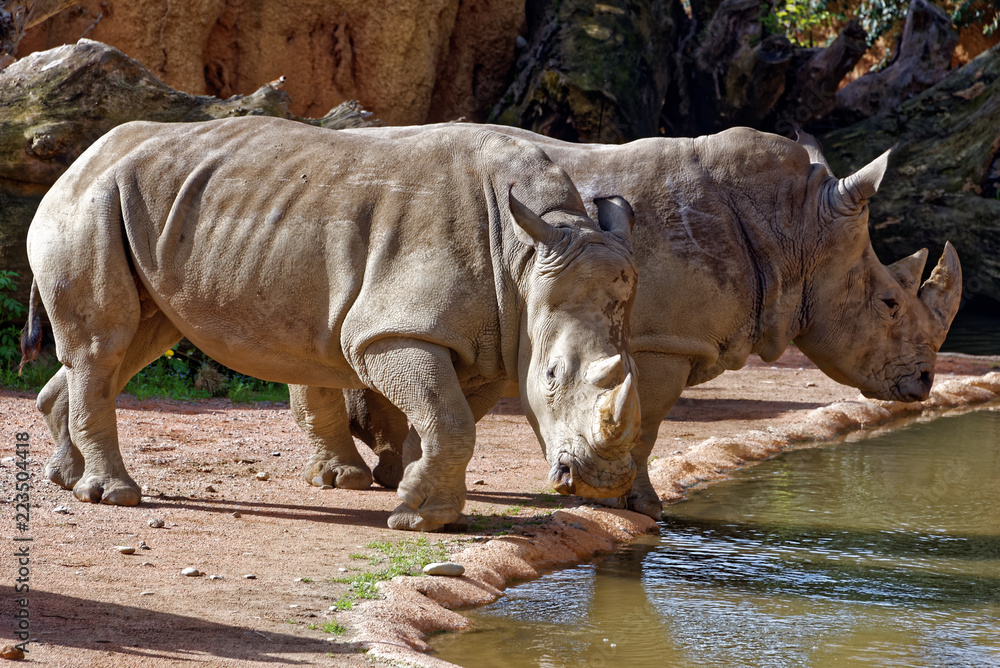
{"points": [[884, 552]]}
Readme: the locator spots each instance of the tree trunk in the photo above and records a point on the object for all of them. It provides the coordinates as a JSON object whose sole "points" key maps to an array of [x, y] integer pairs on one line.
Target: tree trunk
{"points": [[813, 77], [923, 58], [943, 181], [56, 103], [593, 71]]}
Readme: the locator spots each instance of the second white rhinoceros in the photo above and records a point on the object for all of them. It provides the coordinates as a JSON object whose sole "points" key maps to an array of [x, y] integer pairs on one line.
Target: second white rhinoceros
{"points": [[330, 260], [744, 241]]}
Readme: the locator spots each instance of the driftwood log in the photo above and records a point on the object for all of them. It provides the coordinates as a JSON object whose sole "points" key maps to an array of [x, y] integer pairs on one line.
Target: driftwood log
{"points": [[56, 103], [943, 181]]}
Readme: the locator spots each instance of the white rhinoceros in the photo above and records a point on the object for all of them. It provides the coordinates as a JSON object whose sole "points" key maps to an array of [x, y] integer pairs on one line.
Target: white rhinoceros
{"points": [[332, 261], [744, 241]]}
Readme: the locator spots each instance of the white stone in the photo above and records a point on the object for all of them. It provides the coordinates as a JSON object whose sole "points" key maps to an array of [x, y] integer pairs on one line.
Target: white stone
{"points": [[444, 568], [191, 572]]}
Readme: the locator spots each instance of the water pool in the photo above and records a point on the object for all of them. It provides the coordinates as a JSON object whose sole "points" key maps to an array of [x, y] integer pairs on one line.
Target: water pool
{"points": [[883, 552]]}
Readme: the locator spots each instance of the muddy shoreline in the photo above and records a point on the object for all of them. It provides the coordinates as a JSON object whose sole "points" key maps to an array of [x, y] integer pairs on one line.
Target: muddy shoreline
{"points": [[198, 463]]}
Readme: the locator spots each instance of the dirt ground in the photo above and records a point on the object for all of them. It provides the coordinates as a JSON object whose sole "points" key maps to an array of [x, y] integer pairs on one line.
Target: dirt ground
{"points": [[198, 462]]}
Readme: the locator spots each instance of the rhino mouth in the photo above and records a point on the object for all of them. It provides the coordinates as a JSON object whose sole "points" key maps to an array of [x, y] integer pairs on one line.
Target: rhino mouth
{"points": [[915, 386], [572, 475]]}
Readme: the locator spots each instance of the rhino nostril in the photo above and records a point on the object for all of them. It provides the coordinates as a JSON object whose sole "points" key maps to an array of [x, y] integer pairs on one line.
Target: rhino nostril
{"points": [[562, 471], [926, 379]]}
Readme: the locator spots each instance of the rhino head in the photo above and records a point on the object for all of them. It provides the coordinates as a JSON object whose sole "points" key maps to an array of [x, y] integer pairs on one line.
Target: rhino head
{"points": [[576, 378], [872, 326]]}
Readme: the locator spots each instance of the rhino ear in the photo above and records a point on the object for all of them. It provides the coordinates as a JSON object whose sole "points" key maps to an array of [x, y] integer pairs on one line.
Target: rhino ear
{"points": [[615, 215], [529, 227], [909, 270], [858, 188], [812, 147]]}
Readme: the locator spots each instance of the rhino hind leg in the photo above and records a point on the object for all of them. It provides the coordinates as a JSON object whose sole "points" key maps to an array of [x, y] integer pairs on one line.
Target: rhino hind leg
{"points": [[90, 477], [383, 428], [65, 466], [322, 414]]}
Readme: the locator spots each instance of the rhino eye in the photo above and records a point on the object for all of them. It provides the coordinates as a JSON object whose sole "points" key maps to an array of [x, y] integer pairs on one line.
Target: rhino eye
{"points": [[890, 304]]}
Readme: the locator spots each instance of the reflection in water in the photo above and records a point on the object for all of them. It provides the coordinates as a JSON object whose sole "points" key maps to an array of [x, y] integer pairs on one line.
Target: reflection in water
{"points": [[884, 552]]}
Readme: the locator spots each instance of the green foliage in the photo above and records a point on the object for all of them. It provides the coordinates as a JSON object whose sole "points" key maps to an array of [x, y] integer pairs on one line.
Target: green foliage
{"points": [[35, 375], [977, 12], [803, 22], [406, 557]]}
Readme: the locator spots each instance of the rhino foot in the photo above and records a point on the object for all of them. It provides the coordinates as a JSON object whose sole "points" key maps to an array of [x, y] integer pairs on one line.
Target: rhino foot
{"points": [[648, 504], [326, 473], [65, 467], [404, 518], [389, 470], [104, 489]]}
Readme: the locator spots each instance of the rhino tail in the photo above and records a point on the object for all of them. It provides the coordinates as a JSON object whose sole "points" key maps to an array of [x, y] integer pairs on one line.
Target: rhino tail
{"points": [[31, 335]]}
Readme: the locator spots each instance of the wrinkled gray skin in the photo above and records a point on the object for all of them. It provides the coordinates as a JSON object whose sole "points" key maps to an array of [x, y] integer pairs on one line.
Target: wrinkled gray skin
{"points": [[744, 241], [333, 261]]}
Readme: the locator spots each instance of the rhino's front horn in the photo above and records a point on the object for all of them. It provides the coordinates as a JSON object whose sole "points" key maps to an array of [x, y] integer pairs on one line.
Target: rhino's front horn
{"points": [[616, 428], [605, 372], [942, 292], [909, 270]]}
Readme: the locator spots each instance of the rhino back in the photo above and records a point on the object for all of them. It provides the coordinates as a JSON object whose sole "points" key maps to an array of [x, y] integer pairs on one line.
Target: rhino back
{"points": [[277, 247]]}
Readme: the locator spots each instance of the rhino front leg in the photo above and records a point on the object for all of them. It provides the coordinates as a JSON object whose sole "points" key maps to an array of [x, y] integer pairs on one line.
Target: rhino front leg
{"points": [[383, 428], [661, 380], [322, 414], [419, 378]]}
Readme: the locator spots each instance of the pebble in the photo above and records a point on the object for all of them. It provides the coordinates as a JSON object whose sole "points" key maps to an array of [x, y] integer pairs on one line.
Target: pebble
{"points": [[155, 522], [444, 568], [11, 652], [237, 514], [147, 563], [210, 489], [479, 482], [125, 549], [191, 572], [216, 577], [61, 510], [342, 570], [250, 576], [143, 546], [146, 593], [810, 384], [275, 454], [262, 475], [517, 528]]}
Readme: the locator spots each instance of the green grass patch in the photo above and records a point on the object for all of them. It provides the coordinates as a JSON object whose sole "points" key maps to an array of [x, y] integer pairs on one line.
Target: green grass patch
{"points": [[407, 557]]}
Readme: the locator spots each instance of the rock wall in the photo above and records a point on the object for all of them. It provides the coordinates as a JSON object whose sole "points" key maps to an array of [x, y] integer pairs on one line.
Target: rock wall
{"points": [[408, 61]]}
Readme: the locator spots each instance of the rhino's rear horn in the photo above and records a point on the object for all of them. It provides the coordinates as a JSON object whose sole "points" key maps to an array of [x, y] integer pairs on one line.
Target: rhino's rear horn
{"points": [[605, 372], [942, 292], [909, 270], [617, 423]]}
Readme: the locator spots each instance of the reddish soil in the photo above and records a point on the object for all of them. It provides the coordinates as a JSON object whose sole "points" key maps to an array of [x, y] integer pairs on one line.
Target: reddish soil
{"points": [[92, 606]]}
